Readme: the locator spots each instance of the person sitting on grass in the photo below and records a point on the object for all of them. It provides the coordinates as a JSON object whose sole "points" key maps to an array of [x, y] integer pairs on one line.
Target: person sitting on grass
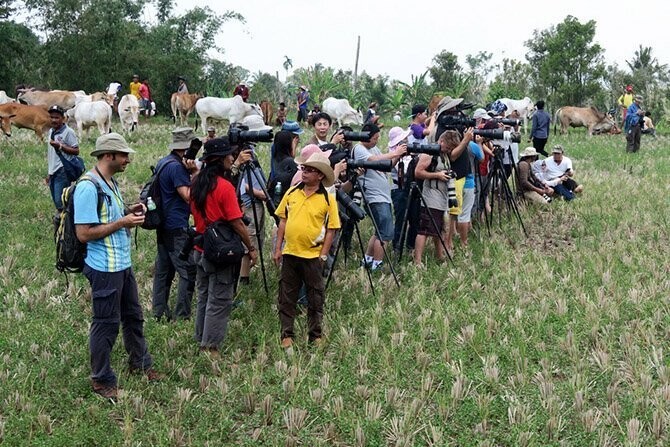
{"points": [[527, 184], [556, 171]]}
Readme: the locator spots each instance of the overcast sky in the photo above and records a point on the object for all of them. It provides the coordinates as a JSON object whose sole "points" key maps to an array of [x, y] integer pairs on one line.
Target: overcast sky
{"points": [[399, 39]]}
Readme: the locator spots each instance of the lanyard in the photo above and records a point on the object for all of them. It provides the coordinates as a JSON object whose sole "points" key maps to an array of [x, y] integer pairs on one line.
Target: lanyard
{"points": [[114, 189]]}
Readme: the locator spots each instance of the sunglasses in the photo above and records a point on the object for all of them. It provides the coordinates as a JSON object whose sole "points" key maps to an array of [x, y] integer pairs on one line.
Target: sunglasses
{"points": [[309, 169]]}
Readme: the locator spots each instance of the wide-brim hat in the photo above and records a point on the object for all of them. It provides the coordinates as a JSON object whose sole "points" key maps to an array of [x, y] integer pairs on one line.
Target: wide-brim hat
{"points": [[217, 147], [310, 150], [397, 134], [292, 126], [110, 143], [255, 123], [447, 103], [322, 164], [303, 87], [181, 138], [639, 98], [528, 152]]}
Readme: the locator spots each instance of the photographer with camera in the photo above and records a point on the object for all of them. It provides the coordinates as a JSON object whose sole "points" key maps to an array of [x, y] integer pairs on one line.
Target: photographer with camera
{"points": [[398, 139], [435, 173], [527, 184], [418, 128], [213, 199], [377, 192], [174, 181]]}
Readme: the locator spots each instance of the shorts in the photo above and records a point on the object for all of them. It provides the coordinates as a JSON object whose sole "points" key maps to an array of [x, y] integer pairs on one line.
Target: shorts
{"points": [[457, 210], [381, 212], [468, 201], [426, 227]]}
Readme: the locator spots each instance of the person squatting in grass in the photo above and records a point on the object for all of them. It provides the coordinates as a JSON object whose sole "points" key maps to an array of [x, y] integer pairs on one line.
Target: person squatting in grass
{"points": [[175, 188], [309, 218], [528, 185], [213, 198], [108, 267], [556, 172]]}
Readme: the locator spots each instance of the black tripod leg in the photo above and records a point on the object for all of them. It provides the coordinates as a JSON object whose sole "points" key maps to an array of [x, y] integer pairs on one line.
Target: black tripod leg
{"points": [[405, 223], [332, 268], [367, 269], [250, 185]]}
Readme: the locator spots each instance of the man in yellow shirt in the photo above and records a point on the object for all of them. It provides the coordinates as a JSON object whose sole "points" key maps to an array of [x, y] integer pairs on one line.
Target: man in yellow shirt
{"points": [[135, 87], [626, 100], [309, 218]]}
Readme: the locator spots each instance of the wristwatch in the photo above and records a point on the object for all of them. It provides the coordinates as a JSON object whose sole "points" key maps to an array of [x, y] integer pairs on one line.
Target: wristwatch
{"points": [[324, 258]]}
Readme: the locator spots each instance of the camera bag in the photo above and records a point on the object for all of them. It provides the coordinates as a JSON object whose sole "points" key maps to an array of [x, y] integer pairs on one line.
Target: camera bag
{"points": [[70, 252], [222, 245], [74, 166], [154, 219]]}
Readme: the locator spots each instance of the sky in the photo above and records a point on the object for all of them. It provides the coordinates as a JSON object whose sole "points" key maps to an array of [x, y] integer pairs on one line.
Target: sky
{"points": [[399, 39]]}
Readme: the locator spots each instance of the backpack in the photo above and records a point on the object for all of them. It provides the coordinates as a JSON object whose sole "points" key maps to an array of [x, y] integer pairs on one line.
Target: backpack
{"points": [[70, 252], [153, 219], [411, 167]]}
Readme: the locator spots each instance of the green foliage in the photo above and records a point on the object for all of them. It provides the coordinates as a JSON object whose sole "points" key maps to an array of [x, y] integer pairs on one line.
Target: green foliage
{"points": [[321, 81], [568, 66], [20, 55], [511, 81], [445, 70]]}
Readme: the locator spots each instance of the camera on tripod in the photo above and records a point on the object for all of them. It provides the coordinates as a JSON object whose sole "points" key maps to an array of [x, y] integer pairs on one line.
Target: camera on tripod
{"points": [[508, 121], [239, 134], [499, 134], [428, 149], [356, 136], [349, 206]]}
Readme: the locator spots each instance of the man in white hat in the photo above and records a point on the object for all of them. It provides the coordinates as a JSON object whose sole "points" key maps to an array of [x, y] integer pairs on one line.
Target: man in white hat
{"points": [[309, 219], [529, 185], [104, 224]]}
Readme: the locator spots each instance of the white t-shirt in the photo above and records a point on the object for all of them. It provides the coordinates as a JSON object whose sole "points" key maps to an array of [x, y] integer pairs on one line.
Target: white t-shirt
{"points": [[554, 170]]}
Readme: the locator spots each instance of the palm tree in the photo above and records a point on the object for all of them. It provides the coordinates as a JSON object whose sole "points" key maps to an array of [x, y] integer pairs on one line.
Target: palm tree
{"points": [[288, 63]]}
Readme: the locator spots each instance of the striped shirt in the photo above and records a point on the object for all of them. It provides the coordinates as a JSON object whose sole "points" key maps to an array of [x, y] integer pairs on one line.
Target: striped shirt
{"points": [[111, 253]]}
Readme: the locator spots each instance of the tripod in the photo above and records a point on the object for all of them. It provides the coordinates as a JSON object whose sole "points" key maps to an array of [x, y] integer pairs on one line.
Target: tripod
{"points": [[249, 169], [376, 228], [500, 190], [414, 194], [350, 221]]}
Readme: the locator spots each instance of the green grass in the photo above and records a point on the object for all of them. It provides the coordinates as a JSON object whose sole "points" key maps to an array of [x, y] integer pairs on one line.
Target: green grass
{"points": [[558, 338]]}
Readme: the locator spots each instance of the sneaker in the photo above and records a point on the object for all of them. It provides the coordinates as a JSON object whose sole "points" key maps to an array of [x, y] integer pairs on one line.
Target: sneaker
{"points": [[107, 391], [286, 342], [378, 267], [579, 189], [365, 264], [151, 374]]}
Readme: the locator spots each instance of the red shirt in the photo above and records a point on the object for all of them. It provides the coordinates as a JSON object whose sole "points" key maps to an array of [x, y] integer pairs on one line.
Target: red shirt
{"points": [[144, 91], [221, 204]]}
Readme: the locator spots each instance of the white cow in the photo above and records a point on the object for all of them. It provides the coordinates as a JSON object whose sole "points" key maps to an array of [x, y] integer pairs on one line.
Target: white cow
{"points": [[340, 111], [4, 99], [129, 112], [525, 107], [232, 109], [97, 96], [89, 114]]}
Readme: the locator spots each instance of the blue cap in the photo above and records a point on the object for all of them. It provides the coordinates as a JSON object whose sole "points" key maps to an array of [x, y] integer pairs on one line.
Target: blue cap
{"points": [[292, 126]]}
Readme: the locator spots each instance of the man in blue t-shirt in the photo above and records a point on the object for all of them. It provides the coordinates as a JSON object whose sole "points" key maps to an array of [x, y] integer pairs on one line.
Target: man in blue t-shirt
{"points": [[175, 186], [104, 224]]}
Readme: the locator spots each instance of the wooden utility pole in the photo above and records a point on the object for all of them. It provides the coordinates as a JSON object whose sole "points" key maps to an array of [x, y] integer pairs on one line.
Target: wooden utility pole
{"points": [[358, 50]]}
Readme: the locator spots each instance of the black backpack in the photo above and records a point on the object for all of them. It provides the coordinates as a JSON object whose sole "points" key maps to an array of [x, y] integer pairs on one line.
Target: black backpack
{"points": [[70, 252], [154, 219], [409, 172]]}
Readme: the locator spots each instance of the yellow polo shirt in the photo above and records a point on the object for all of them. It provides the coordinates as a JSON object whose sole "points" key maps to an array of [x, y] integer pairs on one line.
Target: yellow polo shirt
{"points": [[626, 99], [135, 89], [307, 219]]}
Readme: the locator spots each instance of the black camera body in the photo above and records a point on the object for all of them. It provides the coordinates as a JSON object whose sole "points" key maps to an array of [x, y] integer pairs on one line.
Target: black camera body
{"points": [[455, 122], [239, 134], [428, 149], [193, 149], [351, 209]]}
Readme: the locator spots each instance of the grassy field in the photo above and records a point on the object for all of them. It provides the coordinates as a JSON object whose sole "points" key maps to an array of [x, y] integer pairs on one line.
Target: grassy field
{"points": [[558, 338]]}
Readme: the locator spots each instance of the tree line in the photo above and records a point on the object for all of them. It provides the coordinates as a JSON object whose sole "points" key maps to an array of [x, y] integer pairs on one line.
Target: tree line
{"points": [[85, 44]]}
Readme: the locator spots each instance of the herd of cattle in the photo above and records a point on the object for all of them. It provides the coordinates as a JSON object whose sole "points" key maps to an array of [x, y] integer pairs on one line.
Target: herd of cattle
{"points": [[29, 111]]}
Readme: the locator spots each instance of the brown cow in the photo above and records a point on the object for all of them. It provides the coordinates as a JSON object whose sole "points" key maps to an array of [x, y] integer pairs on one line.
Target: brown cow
{"points": [[62, 98], [24, 117], [588, 117], [268, 112], [183, 104]]}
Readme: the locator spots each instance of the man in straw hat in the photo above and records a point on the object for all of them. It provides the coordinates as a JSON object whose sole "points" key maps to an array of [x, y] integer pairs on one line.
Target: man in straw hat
{"points": [[105, 228], [309, 219], [174, 181], [529, 185]]}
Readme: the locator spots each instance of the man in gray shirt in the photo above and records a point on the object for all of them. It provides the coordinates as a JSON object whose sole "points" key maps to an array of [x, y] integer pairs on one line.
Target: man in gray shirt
{"points": [[377, 190], [62, 143]]}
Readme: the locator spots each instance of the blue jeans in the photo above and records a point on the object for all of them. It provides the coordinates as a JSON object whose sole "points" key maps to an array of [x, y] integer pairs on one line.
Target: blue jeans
{"points": [[564, 192], [381, 213], [57, 183]]}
